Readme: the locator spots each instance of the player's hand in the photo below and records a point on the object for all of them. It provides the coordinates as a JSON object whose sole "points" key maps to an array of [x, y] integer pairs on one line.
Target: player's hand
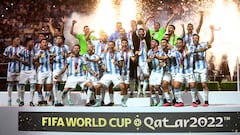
{"points": [[201, 12], [211, 27], [95, 74], [92, 31], [162, 64], [74, 21], [56, 76]]}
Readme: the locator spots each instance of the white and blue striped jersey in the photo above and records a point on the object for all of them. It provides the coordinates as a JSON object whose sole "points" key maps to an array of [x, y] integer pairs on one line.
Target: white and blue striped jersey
{"points": [[59, 61], [200, 61], [126, 56], [119, 46], [109, 59], [13, 66], [156, 62], [171, 66], [75, 66], [100, 47], [142, 59], [44, 61], [27, 56], [189, 60], [92, 65], [38, 44]]}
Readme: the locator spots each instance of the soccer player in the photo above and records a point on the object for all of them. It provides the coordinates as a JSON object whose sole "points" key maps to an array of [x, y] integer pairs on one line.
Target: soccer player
{"points": [[141, 46], [113, 62], [114, 36], [82, 38], [200, 62], [14, 66], [127, 55], [184, 59], [28, 70], [76, 73], [156, 57], [123, 34], [60, 53], [44, 72], [92, 61], [188, 37]]}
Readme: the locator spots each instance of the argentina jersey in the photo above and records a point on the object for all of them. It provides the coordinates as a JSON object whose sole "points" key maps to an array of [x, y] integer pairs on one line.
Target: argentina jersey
{"points": [[142, 59], [27, 56], [179, 56], [13, 66], [99, 47], [109, 59], [75, 66], [44, 61], [126, 56], [119, 45], [189, 60], [92, 65], [59, 61], [200, 58], [156, 62], [171, 66]]}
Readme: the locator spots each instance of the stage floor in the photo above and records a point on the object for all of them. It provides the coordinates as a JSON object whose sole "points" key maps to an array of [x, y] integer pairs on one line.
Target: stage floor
{"points": [[224, 106]]}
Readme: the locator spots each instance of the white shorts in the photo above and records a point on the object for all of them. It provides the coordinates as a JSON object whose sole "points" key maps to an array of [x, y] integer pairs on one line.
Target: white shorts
{"points": [[143, 69], [169, 76], [91, 79], [189, 78], [201, 75], [73, 81], [155, 78], [126, 77], [44, 77], [107, 79], [28, 77], [12, 76], [61, 78]]}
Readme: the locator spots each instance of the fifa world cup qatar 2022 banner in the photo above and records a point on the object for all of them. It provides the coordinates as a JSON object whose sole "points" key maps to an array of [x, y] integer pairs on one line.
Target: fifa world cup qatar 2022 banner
{"points": [[129, 122]]}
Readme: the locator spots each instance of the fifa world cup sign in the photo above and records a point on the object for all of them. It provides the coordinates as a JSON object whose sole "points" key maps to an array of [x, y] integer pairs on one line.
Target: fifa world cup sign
{"points": [[129, 122]]}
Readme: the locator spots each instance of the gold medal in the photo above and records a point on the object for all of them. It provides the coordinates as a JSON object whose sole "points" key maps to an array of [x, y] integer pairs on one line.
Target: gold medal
{"points": [[112, 60], [181, 66], [42, 55], [76, 71]]}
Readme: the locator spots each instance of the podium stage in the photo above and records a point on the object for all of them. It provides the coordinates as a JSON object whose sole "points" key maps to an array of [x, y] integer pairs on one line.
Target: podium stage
{"points": [[222, 117]]}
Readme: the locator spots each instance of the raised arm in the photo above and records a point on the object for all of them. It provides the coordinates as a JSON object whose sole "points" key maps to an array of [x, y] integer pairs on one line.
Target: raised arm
{"points": [[51, 26], [212, 36], [64, 19], [200, 22], [168, 21], [71, 29]]}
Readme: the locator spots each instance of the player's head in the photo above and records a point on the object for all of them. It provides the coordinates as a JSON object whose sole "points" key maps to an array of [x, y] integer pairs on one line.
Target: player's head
{"points": [[133, 24], [111, 45], [60, 40], [76, 49], [171, 29], [103, 36], [44, 44], [124, 43], [118, 26], [122, 32], [156, 26], [154, 43], [196, 39], [190, 27], [164, 43], [166, 36], [86, 29], [41, 36], [16, 40], [180, 45], [90, 49], [29, 42], [141, 33]]}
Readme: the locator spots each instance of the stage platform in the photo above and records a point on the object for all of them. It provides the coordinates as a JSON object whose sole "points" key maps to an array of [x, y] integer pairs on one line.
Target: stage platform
{"points": [[222, 117]]}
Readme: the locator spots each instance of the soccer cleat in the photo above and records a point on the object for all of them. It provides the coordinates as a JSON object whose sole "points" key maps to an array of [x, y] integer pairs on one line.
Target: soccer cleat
{"points": [[110, 104], [18, 101], [40, 103], [92, 102], [194, 104], [123, 104], [59, 104], [88, 104], [97, 104], [102, 103], [178, 104], [205, 104], [160, 104], [167, 104], [21, 104], [31, 104], [70, 102], [131, 95], [10, 102], [45, 102], [198, 101]]}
